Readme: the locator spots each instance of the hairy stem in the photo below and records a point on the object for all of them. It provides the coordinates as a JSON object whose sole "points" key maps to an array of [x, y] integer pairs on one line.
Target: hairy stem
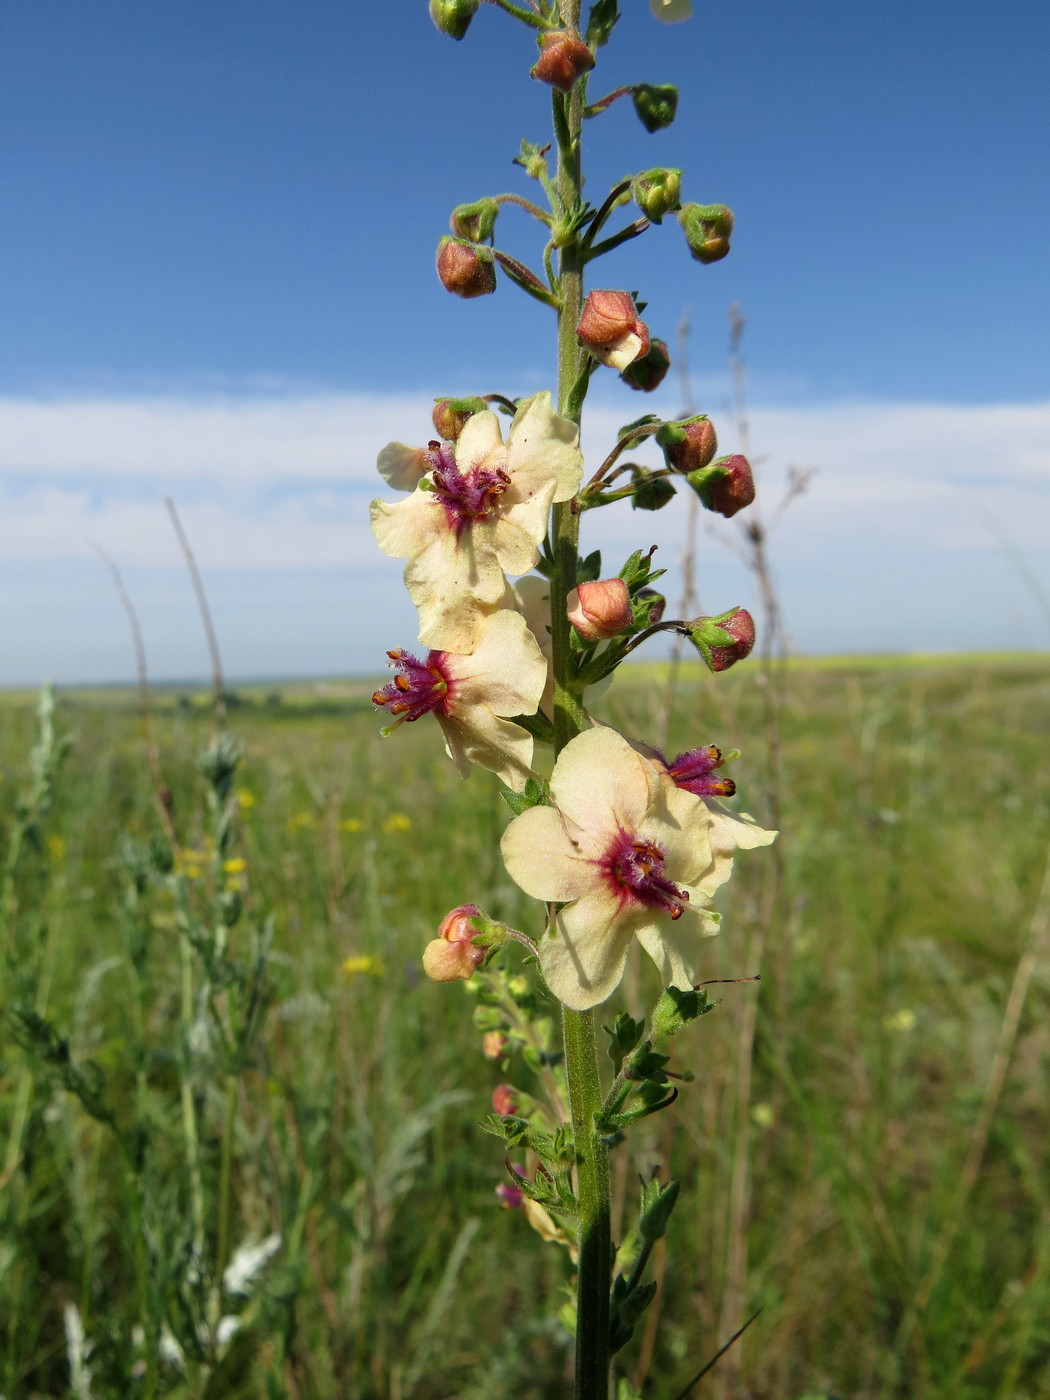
{"points": [[581, 1058]]}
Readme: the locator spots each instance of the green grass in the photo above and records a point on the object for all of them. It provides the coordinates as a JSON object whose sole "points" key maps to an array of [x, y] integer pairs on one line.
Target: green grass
{"points": [[916, 820]]}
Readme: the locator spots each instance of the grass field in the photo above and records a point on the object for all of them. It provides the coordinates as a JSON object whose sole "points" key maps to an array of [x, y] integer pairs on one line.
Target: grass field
{"points": [[228, 1040]]}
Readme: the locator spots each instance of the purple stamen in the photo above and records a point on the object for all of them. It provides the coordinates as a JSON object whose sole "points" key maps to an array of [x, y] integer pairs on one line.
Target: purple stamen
{"points": [[637, 868], [694, 770], [466, 496], [417, 689]]}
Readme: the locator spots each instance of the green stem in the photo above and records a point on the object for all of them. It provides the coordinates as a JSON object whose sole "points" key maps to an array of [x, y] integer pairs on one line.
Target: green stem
{"points": [[189, 1107], [581, 1056], [593, 1192], [225, 1174]]}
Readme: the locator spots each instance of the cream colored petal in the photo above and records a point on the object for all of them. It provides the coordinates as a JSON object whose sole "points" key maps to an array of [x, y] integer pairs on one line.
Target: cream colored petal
{"points": [[454, 745], [679, 823], [546, 857], [583, 960], [506, 671], [496, 744], [736, 831], [542, 447], [601, 784], [454, 585], [402, 467], [519, 531], [405, 527], [480, 437], [677, 946], [533, 596], [622, 352]]}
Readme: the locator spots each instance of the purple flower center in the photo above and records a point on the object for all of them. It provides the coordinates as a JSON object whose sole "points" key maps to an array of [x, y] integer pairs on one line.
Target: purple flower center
{"points": [[694, 770], [638, 868], [418, 688], [466, 496]]}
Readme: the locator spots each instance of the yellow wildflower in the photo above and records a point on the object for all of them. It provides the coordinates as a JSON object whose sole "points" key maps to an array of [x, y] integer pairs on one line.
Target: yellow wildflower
{"points": [[56, 846], [246, 799], [363, 962], [397, 821], [302, 821], [351, 824], [235, 865]]}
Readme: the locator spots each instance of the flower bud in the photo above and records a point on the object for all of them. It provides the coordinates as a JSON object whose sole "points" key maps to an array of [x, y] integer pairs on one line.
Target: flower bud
{"points": [[564, 57], [454, 955], [476, 221], [510, 1197], [657, 192], [450, 416], [453, 17], [600, 609], [466, 269], [651, 492], [656, 105], [726, 486], [494, 1044], [611, 329], [723, 641], [690, 444], [504, 1100], [647, 372], [707, 229], [656, 603]]}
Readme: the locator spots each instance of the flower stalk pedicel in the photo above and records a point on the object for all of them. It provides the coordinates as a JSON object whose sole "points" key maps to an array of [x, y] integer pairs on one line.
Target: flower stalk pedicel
{"points": [[621, 843]]}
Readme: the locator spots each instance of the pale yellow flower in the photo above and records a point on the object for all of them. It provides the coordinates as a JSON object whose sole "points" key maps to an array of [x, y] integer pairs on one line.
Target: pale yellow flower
{"points": [[472, 697], [480, 512], [395, 823], [671, 11], [628, 854]]}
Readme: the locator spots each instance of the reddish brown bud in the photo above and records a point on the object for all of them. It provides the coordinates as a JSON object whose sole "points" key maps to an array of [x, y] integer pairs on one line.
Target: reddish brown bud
{"points": [[689, 445], [450, 416], [725, 640], [564, 57], [726, 486], [600, 609], [611, 329], [466, 269], [647, 373], [452, 956], [504, 1100]]}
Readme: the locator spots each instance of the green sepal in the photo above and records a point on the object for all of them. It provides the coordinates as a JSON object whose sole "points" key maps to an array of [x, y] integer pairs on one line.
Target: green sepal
{"points": [[589, 569], [657, 1204], [537, 794], [677, 1007], [624, 1036], [626, 1307], [651, 492], [513, 1129], [646, 421], [656, 104], [532, 160]]}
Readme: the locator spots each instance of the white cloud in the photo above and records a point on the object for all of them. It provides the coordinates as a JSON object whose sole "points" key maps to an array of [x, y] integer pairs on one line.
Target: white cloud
{"points": [[913, 513]]}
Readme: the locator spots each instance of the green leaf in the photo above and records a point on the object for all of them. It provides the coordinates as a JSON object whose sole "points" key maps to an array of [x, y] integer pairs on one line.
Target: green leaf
{"points": [[601, 22], [590, 568]]}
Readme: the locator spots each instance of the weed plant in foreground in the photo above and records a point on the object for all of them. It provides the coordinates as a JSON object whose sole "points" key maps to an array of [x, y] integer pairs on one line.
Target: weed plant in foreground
{"points": [[914, 877]]}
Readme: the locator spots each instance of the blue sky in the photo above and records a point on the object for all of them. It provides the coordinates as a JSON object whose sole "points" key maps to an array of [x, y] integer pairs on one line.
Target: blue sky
{"points": [[232, 210]]}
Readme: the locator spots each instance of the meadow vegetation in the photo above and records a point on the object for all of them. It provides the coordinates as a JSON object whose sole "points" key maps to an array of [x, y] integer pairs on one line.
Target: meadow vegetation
{"points": [[237, 1135]]}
